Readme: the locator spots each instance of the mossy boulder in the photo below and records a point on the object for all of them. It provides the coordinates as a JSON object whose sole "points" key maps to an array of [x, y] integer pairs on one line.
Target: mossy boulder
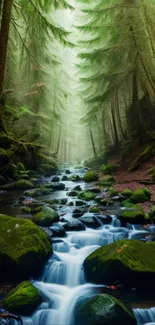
{"points": [[113, 192], [23, 184], [109, 169], [38, 191], [22, 300], [91, 176], [134, 214], [104, 309], [86, 195], [127, 261], [140, 196], [75, 178], [46, 217], [24, 248], [127, 193]]}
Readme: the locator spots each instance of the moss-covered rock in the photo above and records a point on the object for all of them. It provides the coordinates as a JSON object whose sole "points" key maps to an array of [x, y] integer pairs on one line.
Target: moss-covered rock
{"points": [[109, 169], [75, 178], [46, 217], [91, 176], [113, 192], [38, 191], [24, 248], [94, 209], [23, 300], [23, 184], [127, 193], [129, 261], [104, 309], [140, 196], [86, 195], [134, 214]]}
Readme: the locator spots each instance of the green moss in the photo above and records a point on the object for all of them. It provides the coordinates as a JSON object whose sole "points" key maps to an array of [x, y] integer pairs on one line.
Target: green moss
{"points": [[38, 192], [113, 192], [46, 217], [75, 178], [24, 248], [140, 196], [129, 261], [91, 176], [147, 193], [86, 195], [104, 309], [94, 209], [133, 216], [26, 209], [153, 174], [23, 184], [22, 300], [127, 193], [105, 184], [46, 169], [21, 167], [109, 169]]}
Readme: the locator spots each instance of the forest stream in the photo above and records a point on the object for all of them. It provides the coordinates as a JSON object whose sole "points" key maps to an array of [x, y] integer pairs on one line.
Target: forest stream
{"points": [[62, 284]]}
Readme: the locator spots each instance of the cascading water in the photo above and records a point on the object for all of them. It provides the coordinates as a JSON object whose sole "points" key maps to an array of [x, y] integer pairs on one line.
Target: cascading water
{"points": [[63, 283]]}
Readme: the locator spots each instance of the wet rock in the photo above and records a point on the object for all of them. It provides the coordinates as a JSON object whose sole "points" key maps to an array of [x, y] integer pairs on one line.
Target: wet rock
{"points": [[90, 221], [63, 201], [46, 217], [23, 300], [72, 193], [77, 213], [104, 309], [133, 215], [95, 190], [129, 261], [151, 228], [38, 192], [74, 225], [48, 232], [63, 220], [24, 248], [7, 318], [77, 188], [144, 236], [70, 204], [68, 171], [58, 187], [55, 179], [105, 219], [79, 203], [58, 230], [65, 178]]}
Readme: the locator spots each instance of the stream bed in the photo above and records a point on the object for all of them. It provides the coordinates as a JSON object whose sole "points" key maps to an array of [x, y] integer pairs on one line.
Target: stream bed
{"points": [[63, 284]]}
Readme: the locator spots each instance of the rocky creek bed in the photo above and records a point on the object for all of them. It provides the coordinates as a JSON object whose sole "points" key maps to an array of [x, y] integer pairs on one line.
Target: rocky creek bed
{"points": [[74, 250]]}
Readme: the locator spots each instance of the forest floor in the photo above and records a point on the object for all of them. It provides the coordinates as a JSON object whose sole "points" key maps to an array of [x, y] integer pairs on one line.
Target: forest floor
{"points": [[135, 180]]}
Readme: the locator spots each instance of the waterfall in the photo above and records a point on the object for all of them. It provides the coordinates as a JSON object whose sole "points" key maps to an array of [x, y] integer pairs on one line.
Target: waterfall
{"points": [[145, 316]]}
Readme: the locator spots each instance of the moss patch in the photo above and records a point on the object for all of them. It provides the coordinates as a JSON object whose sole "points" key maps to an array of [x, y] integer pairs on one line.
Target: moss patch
{"points": [[104, 309], [23, 300], [46, 217], [141, 196], [86, 195], [109, 169], [127, 193], [129, 261], [91, 176], [24, 248]]}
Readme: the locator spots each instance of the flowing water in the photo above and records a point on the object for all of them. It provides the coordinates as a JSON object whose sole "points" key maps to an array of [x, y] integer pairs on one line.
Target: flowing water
{"points": [[63, 283]]}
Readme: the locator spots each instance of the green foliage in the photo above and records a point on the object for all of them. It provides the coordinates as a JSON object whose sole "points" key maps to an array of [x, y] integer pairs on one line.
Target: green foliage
{"points": [[108, 169], [141, 196], [86, 195]]}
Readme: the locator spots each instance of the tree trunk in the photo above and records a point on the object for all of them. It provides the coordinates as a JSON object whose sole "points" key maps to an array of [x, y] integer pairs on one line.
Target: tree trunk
{"points": [[93, 143], [1, 2], [4, 36], [114, 123]]}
